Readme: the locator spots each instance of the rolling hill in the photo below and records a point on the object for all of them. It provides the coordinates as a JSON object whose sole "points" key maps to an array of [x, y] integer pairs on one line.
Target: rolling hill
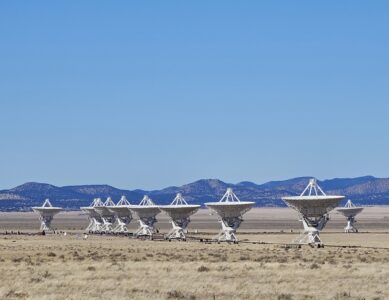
{"points": [[366, 190]]}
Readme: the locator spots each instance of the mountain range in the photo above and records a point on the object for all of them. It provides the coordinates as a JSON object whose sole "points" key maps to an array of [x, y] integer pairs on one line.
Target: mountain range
{"points": [[367, 190]]}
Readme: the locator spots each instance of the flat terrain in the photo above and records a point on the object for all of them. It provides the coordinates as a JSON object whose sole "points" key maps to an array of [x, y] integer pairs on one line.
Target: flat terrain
{"points": [[108, 267]]}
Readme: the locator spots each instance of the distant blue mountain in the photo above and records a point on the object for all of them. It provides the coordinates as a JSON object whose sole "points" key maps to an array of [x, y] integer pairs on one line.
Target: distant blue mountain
{"points": [[366, 190]]}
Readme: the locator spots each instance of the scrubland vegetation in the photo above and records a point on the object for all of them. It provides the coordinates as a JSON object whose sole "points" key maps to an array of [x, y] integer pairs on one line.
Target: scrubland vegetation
{"points": [[103, 267]]}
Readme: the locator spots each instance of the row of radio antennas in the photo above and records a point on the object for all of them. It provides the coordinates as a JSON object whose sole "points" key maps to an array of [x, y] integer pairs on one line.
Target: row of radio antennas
{"points": [[312, 190]]}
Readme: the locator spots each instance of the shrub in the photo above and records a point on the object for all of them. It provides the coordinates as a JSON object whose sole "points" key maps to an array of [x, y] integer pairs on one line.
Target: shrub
{"points": [[175, 295], [203, 269], [314, 266], [284, 297]]}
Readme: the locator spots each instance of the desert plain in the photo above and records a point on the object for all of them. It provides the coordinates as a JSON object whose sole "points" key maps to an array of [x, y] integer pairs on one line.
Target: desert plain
{"points": [[262, 266]]}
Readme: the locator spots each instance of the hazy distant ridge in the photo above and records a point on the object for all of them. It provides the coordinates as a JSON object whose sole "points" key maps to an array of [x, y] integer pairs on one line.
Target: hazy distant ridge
{"points": [[366, 190]]}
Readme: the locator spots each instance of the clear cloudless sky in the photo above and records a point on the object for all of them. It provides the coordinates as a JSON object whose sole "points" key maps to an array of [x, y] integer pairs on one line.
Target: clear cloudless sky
{"points": [[148, 94]]}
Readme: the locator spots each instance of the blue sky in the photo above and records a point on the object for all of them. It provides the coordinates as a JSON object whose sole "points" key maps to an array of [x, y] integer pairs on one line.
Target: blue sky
{"points": [[147, 94]]}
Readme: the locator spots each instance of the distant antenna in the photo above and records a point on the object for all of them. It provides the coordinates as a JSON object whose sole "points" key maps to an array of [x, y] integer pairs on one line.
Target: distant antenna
{"points": [[146, 211], [179, 212], [109, 202], [146, 201], [230, 210], [97, 202], [313, 206], [46, 214], [123, 201], [123, 215], [350, 211], [95, 222], [106, 215]]}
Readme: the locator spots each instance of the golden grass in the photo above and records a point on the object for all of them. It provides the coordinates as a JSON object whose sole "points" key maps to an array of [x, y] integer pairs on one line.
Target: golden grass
{"points": [[103, 267]]}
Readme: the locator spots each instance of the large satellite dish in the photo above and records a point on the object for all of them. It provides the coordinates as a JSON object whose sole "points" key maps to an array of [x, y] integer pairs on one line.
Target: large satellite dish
{"points": [[107, 216], [123, 214], [350, 211], [95, 221], [313, 206], [146, 211], [46, 214], [230, 210], [179, 212]]}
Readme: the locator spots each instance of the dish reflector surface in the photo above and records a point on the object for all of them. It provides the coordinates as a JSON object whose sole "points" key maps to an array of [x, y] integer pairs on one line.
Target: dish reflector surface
{"points": [[146, 208], [122, 208], [230, 206], [103, 210], [313, 202], [47, 209], [350, 210], [179, 208]]}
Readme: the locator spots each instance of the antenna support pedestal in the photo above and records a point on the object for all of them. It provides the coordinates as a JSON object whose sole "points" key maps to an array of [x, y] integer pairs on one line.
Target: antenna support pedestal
{"points": [[122, 223], [179, 229], [46, 222], [146, 227], [229, 227], [312, 228], [350, 227]]}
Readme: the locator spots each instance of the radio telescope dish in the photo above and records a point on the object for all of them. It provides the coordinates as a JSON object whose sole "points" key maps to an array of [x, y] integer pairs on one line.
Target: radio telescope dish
{"points": [[230, 210], [46, 214], [146, 211], [350, 211], [313, 206], [107, 216], [123, 214], [95, 221], [179, 212]]}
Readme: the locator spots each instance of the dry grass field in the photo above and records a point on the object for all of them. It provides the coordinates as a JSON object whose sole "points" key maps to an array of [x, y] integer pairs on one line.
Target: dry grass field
{"points": [[108, 267]]}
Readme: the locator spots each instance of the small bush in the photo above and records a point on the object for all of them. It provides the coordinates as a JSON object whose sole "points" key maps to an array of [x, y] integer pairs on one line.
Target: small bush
{"points": [[51, 254], [314, 266], [284, 297], [15, 294], [203, 269], [343, 295], [17, 259], [46, 274], [175, 295]]}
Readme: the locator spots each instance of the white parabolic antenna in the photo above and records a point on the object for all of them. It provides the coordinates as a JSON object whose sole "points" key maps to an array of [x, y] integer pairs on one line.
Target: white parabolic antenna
{"points": [[230, 210], [179, 212], [123, 214], [350, 211], [313, 205], [107, 216], [146, 211], [95, 221], [46, 214]]}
